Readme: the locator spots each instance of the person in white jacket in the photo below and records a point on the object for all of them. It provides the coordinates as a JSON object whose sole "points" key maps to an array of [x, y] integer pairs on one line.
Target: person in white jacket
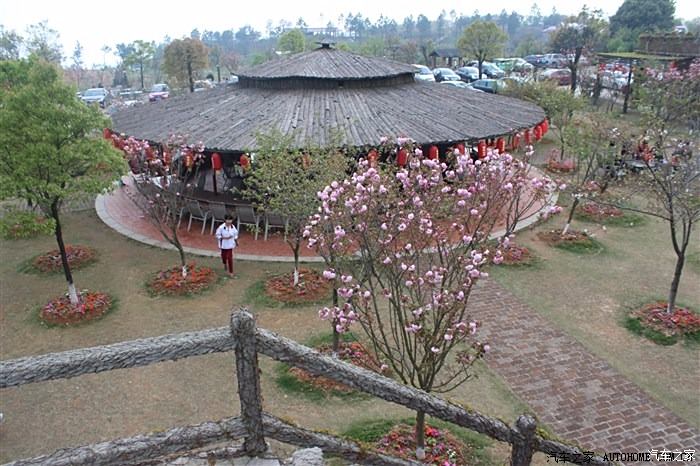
{"points": [[227, 236]]}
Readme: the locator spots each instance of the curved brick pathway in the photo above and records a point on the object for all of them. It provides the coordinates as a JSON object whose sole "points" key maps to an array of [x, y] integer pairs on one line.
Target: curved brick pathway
{"points": [[577, 394]]}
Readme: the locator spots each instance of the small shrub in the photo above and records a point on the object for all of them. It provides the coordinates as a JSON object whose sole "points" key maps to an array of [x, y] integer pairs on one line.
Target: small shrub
{"points": [[171, 282], [61, 311], [78, 257], [441, 447], [19, 224]]}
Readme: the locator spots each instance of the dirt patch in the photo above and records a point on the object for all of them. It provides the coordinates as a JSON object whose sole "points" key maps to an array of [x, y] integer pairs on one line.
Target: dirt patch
{"points": [[312, 287], [354, 353], [91, 305], [78, 257], [681, 322], [598, 212], [171, 282]]}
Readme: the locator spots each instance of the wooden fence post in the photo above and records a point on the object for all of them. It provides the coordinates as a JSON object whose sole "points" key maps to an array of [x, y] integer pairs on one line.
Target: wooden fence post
{"points": [[248, 375], [523, 443]]}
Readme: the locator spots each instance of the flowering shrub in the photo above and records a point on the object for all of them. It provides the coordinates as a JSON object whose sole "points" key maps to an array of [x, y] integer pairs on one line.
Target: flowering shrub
{"points": [[18, 224], [171, 282], [680, 322], [441, 447], [78, 256], [517, 255], [91, 305]]}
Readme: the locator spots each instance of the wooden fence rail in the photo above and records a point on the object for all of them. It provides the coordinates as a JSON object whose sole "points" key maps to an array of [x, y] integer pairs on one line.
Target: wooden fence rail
{"points": [[247, 341]]}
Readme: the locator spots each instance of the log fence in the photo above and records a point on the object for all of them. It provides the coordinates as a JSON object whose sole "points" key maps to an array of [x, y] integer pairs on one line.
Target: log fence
{"points": [[253, 426]]}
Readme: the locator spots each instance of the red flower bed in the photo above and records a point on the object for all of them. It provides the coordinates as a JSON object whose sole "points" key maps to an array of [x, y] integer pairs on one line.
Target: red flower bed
{"points": [[561, 166], [60, 311], [171, 282], [441, 447], [312, 287], [599, 212], [78, 256], [516, 255], [680, 322], [352, 352]]}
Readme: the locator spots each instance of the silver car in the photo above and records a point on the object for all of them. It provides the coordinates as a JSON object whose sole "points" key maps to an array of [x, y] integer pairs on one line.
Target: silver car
{"points": [[96, 95], [423, 74]]}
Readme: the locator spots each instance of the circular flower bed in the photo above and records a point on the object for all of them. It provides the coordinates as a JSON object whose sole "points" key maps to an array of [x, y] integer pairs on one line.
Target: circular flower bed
{"points": [[598, 212], [61, 311], [517, 255], [573, 241], [663, 327], [171, 282], [441, 447], [78, 257], [312, 287], [353, 352]]}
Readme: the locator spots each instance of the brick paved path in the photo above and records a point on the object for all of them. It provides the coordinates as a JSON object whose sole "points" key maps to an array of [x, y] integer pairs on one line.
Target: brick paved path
{"points": [[578, 395]]}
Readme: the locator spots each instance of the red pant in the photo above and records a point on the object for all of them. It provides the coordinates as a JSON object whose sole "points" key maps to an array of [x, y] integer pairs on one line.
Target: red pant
{"points": [[227, 259]]}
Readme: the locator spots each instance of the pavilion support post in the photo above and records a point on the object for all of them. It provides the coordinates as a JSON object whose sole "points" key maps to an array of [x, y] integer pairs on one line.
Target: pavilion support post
{"points": [[248, 375], [523, 444]]}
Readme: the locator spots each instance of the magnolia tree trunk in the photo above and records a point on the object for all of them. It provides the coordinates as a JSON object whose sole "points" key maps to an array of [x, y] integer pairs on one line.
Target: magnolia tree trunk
{"points": [[296, 247], [680, 250], [72, 293], [420, 435], [336, 335], [571, 217]]}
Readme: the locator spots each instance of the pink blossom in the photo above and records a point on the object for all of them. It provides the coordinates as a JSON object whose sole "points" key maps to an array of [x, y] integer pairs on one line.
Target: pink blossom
{"points": [[487, 348], [328, 274], [435, 349]]}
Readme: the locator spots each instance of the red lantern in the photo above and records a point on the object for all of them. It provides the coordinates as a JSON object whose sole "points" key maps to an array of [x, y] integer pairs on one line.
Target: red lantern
{"points": [[372, 157], [528, 137], [481, 149], [216, 161], [538, 132], [402, 157], [244, 161], [433, 152], [516, 141], [150, 153], [189, 160], [460, 147], [106, 133], [545, 126], [501, 145]]}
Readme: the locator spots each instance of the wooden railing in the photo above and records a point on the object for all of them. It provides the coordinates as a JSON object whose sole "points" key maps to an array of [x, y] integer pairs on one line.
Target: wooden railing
{"points": [[254, 425]]}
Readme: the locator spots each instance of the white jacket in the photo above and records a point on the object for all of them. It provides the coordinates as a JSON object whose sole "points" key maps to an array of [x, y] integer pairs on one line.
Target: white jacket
{"points": [[227, 236]]}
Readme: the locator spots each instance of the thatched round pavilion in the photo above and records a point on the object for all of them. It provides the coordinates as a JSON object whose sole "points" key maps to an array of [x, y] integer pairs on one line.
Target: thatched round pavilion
{"points": [[326, 92]]}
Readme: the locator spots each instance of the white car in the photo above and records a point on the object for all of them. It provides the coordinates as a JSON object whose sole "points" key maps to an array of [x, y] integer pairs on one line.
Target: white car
{"points": [[423, 74]]}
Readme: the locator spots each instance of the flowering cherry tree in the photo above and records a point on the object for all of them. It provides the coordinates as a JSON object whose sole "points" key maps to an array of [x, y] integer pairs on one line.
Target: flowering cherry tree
{"points": [[409, 244], [163, 177]]}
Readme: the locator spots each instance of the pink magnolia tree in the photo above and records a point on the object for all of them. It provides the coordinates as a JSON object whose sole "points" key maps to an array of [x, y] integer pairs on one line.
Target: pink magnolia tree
{"points": [[164, 175], [405, 248]]}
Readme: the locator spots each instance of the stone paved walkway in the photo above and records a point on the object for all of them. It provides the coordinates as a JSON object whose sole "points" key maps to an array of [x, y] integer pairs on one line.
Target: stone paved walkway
{"points": [[577, 394]]}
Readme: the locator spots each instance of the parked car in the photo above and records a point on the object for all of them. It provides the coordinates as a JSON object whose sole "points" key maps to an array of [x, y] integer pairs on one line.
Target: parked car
{"points": [[423, 74], [458, 84], [491, 86], [615, 80], [445, 74], [535, 60], [554, 60], [203, 85], [561, 76], [159, 92], [510, 65], [96, 95], [489, 69], [468, 73]]}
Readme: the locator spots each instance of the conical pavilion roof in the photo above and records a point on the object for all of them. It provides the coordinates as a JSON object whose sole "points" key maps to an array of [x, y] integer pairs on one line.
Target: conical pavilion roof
{"points": [[321, 94]]}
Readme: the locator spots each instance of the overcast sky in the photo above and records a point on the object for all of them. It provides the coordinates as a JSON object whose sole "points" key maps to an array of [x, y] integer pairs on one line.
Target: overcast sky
{"points": [[96, 23]]}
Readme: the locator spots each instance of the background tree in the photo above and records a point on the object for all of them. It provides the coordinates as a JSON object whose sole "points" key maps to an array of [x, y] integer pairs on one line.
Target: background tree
{"points": [[482, 40], [292, 41], [77, 59], [51, 147], [579, 34], [10, 44], [183, 58], [644, 15], [419, 239], [44, 42], [285, 180], [141, 52]]}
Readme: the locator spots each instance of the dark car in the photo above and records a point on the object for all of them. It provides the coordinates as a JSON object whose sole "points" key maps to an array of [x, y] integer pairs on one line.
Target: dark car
{"points": [[159, 92], [489, 69], [535, 60], [445, 74], [96, 95], [468, 73]]}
